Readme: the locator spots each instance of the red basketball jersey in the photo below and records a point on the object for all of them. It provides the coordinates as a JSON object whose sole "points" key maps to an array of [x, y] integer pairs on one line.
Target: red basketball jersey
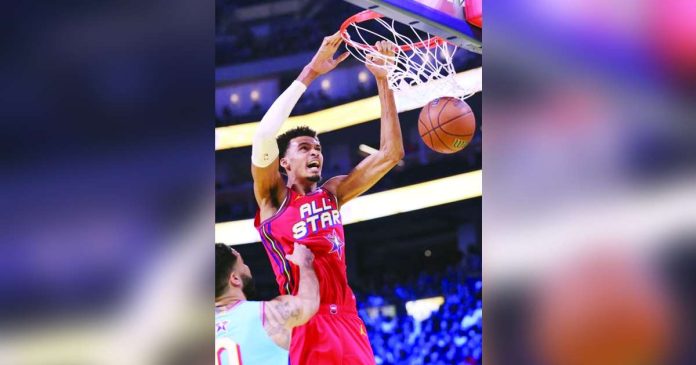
{"points": [[314, 221]]}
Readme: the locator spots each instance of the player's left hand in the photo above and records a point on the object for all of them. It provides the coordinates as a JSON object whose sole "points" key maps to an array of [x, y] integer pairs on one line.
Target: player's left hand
{"points": [[301, 255], [323, 61]]}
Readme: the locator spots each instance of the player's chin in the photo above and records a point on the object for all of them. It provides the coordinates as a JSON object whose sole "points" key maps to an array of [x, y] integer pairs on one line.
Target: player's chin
{"points": [[314, 177]]}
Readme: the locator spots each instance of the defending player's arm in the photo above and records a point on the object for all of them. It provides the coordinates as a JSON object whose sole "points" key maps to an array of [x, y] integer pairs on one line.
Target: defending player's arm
{"points": [[391, 148], [268, 184], [288, 311]]}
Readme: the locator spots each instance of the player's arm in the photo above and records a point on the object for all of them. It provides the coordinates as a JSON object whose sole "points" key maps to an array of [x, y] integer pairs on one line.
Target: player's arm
{"points": [[268, 184], [391, 149], [288, 311]]}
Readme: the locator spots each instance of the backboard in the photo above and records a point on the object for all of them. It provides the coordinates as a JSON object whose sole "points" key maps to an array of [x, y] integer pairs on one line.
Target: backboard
{"points": [[443, 18]]}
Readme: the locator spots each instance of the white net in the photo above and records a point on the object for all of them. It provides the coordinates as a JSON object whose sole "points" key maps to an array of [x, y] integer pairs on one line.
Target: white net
{"points": [[418, 74]]}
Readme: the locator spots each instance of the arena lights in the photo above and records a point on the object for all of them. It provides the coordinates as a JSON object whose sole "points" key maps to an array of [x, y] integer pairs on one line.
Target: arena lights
{"points": [[422, 309], [377, 205], [367, 149], [363, 77], [371, 151], [325, 84], [331, 119]]}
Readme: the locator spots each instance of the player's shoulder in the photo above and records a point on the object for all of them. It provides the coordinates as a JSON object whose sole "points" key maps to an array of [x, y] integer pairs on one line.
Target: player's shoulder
{"points": [[331, 184], [234, 307]]}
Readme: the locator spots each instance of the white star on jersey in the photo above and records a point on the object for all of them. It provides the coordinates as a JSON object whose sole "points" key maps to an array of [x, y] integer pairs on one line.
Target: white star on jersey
{"points": [[336, 242]]}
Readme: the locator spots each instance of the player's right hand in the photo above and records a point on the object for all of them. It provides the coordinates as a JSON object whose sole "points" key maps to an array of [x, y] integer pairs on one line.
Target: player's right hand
{"points": [[301, 255], [379, 64], [323, 61]]}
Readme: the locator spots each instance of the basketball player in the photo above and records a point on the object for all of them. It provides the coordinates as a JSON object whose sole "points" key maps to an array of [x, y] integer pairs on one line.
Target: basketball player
{"points": [[301, 210], [258, 333]]}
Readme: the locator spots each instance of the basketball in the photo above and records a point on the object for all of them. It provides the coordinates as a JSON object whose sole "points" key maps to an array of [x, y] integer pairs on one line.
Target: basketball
{"points": [[446, 125]]}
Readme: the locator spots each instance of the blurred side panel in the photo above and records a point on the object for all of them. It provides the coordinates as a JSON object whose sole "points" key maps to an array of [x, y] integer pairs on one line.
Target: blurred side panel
{"points": [[106, 153], [589, 218]]}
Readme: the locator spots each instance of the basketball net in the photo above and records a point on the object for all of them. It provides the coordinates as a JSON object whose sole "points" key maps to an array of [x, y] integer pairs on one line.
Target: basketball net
{"points": [[421, 69]]}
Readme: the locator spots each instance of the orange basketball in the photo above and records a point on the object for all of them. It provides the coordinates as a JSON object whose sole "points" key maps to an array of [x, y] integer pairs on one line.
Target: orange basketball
{"points": [[446, 125]]}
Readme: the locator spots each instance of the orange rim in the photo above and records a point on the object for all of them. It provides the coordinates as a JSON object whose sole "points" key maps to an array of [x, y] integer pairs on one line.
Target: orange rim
{"points": [[366, 15]]}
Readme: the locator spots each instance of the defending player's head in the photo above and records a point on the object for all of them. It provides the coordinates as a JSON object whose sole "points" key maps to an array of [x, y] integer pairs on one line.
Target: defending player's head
{"points": [[300, 154], [232, 275]]}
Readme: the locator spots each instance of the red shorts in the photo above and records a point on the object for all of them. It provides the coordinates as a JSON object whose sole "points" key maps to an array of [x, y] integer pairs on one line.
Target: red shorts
{"points": [[335, 335]]}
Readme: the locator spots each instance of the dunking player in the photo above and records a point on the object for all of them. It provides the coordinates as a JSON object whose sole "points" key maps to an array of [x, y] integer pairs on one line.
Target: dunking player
{"points": [[258, 333], [300, 210]]}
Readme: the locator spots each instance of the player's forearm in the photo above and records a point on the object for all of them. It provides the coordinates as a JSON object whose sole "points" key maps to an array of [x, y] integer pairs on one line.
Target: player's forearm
{"points": [[264, 148], [391, 143], [308, 292], [280, 110]]}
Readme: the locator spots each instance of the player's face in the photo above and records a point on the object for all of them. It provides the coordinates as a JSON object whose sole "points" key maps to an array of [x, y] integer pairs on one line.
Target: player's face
{"points": [[304, 159], [242, 269]]}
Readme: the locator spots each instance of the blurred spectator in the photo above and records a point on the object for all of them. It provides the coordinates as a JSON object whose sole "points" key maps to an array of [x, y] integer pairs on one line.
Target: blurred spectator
{"points": [[451, 335], [244, 41]]}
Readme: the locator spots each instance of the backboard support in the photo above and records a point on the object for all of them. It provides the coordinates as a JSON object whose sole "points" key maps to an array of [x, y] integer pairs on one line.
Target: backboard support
{"points": [[437, 17]]}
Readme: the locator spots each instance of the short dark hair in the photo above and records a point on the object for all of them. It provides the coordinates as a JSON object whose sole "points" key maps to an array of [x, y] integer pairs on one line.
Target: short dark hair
{"points": [[224, 264], [285, 138]]}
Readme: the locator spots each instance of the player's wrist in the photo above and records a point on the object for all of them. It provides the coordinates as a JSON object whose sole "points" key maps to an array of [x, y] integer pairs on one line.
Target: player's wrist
{"points": [[382, 83], [307, 75]]}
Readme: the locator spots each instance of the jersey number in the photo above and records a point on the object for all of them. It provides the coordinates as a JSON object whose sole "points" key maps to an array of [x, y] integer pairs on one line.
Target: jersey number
{"points": [[229, 351]]}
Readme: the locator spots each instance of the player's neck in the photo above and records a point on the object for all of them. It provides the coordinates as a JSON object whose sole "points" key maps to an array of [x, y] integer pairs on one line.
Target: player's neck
{"points": [[303, 187], [232, 297]]}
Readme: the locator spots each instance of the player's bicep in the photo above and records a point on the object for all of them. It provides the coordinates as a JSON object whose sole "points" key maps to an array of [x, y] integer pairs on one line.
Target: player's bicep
{"points": [[267, 182], [364, 176]]}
